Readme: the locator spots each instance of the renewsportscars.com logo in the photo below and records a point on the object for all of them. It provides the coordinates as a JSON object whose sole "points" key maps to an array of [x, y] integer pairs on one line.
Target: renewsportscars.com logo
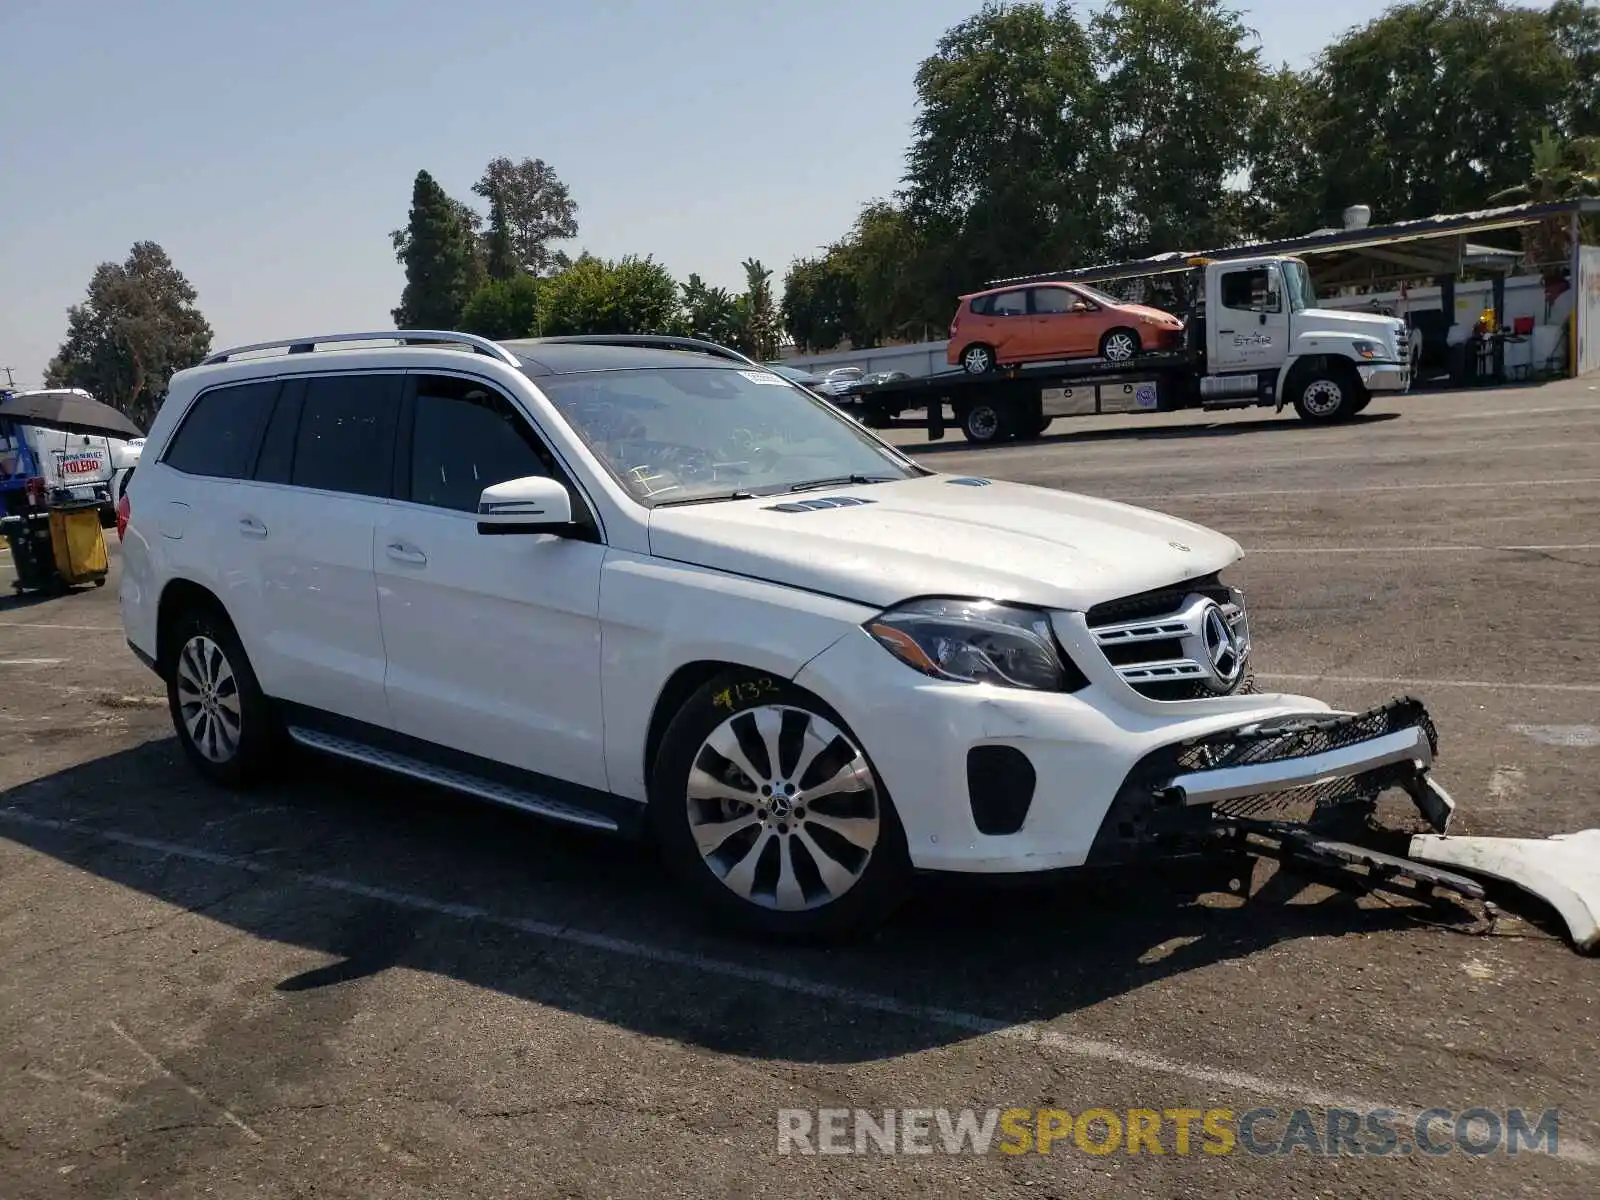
{"points": [[1334, 1132]]}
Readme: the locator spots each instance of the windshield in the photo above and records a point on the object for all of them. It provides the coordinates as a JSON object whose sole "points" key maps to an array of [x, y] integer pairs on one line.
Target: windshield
{"points": [[1297, 284], [1097, 295], [671, 434]]}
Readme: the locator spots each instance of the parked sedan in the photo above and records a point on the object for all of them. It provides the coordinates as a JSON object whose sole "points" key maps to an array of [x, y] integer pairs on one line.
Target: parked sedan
{"points": [[1049, 321]]}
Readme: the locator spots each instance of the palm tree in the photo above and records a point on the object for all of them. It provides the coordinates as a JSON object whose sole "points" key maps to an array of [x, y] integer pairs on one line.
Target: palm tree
{"points": [[1561, 171]]}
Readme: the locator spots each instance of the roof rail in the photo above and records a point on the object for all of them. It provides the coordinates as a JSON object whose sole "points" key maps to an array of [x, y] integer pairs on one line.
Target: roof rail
{"points": [[411, 337], [661, 341]]}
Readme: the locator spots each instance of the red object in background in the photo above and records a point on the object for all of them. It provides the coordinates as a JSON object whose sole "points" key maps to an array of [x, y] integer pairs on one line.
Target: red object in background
{"points": [[35, 491], [124, 511], [1522, 326]]}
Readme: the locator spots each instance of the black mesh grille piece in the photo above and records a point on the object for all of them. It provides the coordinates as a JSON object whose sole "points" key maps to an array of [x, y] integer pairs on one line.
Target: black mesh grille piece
{"points": [[1300, 736]]}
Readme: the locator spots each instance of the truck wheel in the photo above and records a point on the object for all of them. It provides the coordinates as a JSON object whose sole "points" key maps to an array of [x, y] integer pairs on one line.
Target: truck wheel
{"points": [[1119, 345], [977, 359], [1326, 394], [983, 422]]}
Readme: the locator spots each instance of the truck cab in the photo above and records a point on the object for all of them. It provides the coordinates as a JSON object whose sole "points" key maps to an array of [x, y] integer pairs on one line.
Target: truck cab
{"points": [[1264, 335]]}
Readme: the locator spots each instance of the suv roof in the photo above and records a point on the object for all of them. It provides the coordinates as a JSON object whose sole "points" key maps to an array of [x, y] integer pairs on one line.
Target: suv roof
{"points": [[554, 356]]}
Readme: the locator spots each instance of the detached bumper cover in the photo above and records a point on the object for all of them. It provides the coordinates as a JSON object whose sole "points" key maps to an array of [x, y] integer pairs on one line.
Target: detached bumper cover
{"points": [[1297, 769]]}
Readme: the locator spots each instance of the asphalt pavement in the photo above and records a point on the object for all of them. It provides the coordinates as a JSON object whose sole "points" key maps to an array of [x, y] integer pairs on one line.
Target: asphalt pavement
{"points": [[347, 985]]}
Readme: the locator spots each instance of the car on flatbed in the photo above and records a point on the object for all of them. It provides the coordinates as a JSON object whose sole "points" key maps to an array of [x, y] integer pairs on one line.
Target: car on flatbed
{"points": [[649, 587]]}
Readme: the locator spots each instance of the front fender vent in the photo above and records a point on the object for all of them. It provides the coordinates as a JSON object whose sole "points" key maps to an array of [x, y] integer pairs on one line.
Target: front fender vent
{"points": [[969, 481], [819, 502]]}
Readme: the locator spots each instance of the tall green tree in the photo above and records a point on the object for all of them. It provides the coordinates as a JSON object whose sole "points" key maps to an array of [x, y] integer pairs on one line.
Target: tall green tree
{"points": [[1435, 105], [710, 312], [1575, 26], [137, 325], [1561, 171], [1180, 81], [529, 209], [440, 257], [818, 308], [503, 308], [595, 295], [1285, 193], [757, 333], [1008, 154]]}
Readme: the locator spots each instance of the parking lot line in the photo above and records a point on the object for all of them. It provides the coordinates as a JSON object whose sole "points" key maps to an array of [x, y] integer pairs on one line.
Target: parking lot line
{"points": [[1078, 1047], [1383, 681], [1476, 485], [47, 625]]}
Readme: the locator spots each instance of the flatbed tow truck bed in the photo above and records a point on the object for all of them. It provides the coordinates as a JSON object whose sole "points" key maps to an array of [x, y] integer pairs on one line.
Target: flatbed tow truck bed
{"points": [[1020, 402]]}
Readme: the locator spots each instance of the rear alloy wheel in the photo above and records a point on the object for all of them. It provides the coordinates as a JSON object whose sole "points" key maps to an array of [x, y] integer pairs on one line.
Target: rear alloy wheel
{"points": [[226, 726], [977, 360], [1119, 345], [771, 811]]}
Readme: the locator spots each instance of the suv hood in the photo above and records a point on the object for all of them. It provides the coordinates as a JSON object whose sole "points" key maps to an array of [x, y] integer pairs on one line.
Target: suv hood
{"points": [[944, 535]]}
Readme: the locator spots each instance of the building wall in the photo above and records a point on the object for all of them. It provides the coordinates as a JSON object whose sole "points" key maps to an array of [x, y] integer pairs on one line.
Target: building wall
{"points": [[917, 360], [1586, 323]]}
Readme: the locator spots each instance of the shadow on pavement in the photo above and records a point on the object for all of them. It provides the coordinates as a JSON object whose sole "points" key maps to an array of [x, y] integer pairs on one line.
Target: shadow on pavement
{"points": [[362, 869]]}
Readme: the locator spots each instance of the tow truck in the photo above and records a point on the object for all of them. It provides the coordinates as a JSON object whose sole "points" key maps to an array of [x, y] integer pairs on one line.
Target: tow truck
{"points": [[1253, 338]]}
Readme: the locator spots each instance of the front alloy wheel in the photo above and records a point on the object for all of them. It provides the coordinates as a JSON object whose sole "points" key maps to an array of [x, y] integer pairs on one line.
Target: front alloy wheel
{"points": [[783, 808], [765, 804]]}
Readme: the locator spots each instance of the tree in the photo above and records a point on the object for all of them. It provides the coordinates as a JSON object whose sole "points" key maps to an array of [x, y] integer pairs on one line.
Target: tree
{"points": [[1284, 198], [137, 325], [503, 308], [533, 208], [757, 332], [710, 312], [818, 307], [1561, 171], [594, 295], [1179, 84], [440, 256], [1435, 105], [500, 258], [1575, 27], [1008, 158]]}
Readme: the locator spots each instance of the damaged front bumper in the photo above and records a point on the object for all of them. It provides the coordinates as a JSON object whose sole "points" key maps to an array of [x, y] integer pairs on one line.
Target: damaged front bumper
{"points": [[1316, 772]]}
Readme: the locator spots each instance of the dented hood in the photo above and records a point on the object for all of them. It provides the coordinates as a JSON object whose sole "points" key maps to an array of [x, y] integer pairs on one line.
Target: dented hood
{"points": [[944, 535]]}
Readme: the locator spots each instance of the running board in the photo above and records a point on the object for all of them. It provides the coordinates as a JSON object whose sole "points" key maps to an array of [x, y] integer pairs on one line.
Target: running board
{"points": [[446, 777]]}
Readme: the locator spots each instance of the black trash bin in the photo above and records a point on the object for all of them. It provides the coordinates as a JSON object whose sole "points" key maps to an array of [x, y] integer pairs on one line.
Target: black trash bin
{"points": [[32, 552]]}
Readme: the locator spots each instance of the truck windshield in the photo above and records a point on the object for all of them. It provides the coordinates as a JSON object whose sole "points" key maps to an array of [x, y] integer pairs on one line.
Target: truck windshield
{"points": [[1297, 284]]}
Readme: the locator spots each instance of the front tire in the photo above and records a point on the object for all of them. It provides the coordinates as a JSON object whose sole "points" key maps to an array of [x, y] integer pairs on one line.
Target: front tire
{"points": [[767, 807], [1119, 345], [225, 724], [1324, 395]]}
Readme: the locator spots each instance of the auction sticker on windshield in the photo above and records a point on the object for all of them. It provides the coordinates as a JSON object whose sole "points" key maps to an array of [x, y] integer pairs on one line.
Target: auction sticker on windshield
{"points": [[764, 377]]}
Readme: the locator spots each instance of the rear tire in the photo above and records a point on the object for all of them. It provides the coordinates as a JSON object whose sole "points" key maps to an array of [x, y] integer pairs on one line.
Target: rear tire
{"points": [[978, 359], [804, 847], [227, 727], [983, 423]]}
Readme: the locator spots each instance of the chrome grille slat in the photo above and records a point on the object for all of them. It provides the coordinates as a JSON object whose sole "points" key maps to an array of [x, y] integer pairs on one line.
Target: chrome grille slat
{"points": [[1156, 652]]}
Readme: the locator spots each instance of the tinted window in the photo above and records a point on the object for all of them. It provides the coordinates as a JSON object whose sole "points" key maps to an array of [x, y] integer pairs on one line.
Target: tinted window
{"points": [[1010, 304], [1249, 290], [981, 305], [1052, 300], [277, 444], [222, 431], [345, 441], [466, 438]]}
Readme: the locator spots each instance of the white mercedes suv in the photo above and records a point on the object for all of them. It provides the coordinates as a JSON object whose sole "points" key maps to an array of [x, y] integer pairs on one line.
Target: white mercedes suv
{"points": [[648, 586]]}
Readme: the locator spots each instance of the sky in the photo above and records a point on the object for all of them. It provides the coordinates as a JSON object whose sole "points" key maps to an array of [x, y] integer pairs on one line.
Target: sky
{"points": [[270, 147]]}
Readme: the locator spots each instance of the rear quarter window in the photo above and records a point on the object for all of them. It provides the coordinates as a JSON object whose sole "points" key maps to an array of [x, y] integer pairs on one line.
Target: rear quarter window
{"points": [[221, 433]]}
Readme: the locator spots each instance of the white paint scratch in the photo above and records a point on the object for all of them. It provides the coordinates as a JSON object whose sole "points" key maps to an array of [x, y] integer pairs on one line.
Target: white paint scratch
{"points": [[1578, 736], [227, 1113]]}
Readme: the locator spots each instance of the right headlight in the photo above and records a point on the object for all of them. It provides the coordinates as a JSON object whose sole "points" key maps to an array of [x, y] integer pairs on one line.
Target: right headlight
{"points": [[976, 641]]}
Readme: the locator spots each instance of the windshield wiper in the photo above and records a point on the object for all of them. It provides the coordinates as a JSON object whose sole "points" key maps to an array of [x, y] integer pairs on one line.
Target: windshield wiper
{"points": [[708, 498], [839, 481]]}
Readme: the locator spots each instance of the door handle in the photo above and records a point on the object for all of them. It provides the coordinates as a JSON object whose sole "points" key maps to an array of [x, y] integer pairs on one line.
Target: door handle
{"points": [[250, 527], [400, 552]]}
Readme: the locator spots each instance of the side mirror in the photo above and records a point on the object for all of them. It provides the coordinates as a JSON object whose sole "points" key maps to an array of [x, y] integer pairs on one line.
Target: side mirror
{"points": [[1078, 306], [532, 504]]}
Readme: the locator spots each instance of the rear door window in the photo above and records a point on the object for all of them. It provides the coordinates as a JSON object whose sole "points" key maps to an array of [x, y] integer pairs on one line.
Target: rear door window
{"points": [[221, 433], [345, 440]]}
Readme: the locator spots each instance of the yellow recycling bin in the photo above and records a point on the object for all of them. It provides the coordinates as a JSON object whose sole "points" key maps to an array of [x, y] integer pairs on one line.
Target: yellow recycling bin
{"points": [[79, 544]]}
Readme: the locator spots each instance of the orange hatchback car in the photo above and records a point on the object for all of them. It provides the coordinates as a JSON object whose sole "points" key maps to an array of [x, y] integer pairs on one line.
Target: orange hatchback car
{"points": [[1045, 321]]}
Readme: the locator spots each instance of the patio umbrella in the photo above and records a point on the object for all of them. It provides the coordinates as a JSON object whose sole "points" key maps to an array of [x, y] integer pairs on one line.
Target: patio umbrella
{"points": [[73, 412]]}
